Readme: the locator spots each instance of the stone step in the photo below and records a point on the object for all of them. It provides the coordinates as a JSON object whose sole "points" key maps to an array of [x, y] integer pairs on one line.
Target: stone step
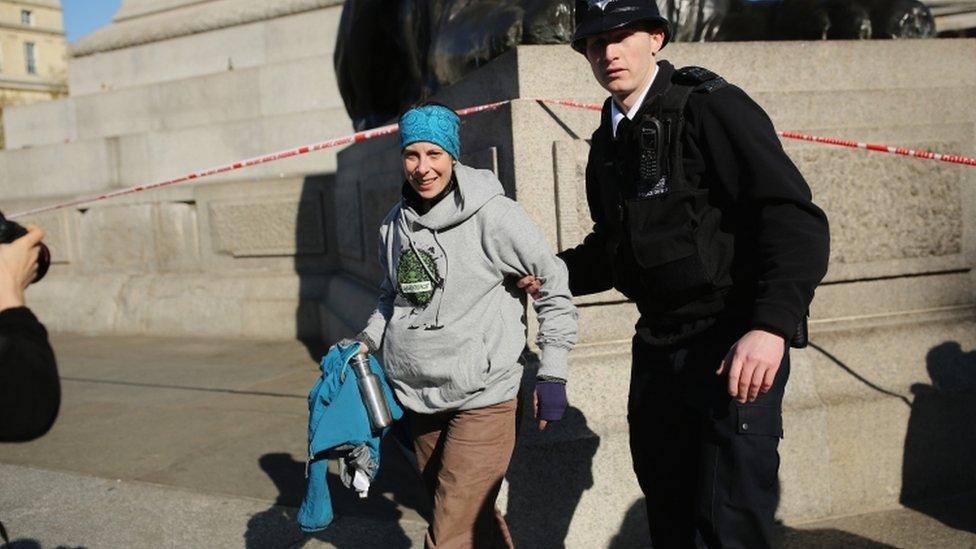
{"points": [[170, 108], [104, 163], [946, 106], [259, 305], [221, 47], [542, 71], [961, 17], [252, 306], [177, 137], [282, 88]]}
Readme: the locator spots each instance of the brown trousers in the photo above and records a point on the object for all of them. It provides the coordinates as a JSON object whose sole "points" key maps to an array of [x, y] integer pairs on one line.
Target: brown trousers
{"points": [[463, 457]]}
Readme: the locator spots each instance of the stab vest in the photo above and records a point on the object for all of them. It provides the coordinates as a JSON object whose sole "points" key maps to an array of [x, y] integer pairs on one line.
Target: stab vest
{"points": [[668, 252]]}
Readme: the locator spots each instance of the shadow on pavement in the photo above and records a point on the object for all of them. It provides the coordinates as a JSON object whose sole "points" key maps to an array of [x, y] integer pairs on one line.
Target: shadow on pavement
{"points": [[793, 538], [396, 487], [633, 529], [32, 544], [941, 438], [633, 534], [547, 478], [22, 544]]}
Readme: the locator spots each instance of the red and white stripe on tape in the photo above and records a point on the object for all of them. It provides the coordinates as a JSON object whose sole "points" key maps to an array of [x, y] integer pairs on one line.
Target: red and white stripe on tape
{"points": [[393, 128], [951, 158]]}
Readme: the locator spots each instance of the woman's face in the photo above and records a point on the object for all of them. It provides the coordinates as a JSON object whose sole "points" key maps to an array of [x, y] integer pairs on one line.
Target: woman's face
{"points": [[428, 168]]}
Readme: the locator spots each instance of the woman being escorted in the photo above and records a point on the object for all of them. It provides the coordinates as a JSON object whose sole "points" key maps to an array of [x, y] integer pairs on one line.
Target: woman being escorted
{"points": [[451, 332]]}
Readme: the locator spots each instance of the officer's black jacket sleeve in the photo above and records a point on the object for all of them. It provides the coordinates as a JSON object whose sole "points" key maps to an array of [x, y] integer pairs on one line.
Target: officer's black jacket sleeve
{"points": [[769, 201], [30, 393], [589, 262]]}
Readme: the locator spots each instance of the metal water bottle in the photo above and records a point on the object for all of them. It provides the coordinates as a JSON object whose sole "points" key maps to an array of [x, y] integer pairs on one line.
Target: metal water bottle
{"points": [[369, 388]]}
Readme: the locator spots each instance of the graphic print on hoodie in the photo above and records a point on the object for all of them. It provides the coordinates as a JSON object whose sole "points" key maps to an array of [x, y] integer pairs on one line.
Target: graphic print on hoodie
{"points": [[451, 332], [417, 277]]}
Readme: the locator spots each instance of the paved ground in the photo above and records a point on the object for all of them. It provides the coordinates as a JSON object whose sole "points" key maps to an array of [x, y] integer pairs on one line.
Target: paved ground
{"points": [[200, 443]]}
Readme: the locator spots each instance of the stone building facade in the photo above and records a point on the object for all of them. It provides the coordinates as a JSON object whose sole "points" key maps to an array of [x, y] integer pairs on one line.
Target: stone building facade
{"points": [[33, 59]]}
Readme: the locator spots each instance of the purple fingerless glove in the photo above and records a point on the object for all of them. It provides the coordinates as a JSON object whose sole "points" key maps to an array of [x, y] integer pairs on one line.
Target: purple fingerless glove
{"points": [[552, 400]]}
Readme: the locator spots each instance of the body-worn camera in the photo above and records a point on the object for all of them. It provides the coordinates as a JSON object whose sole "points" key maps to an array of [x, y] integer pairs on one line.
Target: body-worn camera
{"points": [[10, 231]]}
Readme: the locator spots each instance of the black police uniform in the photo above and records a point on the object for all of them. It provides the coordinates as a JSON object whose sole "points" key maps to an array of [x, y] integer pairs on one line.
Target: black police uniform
{"points": [[724, 238]]}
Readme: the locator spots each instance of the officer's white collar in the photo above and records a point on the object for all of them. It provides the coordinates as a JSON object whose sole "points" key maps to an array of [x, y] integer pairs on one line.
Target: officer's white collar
{"points": [[616, 116]]}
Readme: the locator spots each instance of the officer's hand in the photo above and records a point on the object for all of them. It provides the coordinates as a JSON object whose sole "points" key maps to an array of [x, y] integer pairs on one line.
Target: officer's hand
{"points": [[531, 285], [752, 364], [18, 267]]}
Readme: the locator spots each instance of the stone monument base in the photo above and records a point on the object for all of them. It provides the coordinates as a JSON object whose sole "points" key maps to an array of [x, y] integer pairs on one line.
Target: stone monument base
{"points": [[877, 411]]}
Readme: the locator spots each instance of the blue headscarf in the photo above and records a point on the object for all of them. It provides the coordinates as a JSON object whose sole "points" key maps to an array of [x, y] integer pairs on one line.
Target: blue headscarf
{"points": [[432, 123]]}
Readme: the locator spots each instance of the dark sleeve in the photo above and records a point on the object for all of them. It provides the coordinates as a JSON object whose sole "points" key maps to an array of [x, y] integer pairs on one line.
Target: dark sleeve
{"points": [[589, 263], [773, 207], [30, 393]]}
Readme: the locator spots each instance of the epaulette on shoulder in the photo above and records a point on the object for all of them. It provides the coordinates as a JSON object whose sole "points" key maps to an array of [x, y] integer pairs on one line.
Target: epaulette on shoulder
{"points": [[703, 80]]}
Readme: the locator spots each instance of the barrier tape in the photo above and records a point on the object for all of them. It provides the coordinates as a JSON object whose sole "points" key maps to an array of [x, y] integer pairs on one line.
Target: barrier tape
{"points": [[926, 155], [393, 128]]}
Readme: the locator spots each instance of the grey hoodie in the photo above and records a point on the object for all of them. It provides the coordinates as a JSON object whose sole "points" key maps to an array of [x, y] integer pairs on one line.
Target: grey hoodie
{"points": [[451, 332]]}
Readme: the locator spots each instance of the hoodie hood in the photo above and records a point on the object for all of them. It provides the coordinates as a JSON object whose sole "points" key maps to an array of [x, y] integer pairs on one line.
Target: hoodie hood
{"points": [[474, 189]]}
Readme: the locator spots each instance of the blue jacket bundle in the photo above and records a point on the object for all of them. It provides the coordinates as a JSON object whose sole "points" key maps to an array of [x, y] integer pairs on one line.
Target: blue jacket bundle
{"points": [[337, 420]]}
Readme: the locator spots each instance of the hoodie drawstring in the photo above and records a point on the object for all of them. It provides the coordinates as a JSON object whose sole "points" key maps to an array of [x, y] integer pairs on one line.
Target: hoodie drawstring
{"points": [[447, 271]]}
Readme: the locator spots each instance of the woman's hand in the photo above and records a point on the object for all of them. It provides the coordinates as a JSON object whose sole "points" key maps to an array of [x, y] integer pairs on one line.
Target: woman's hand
{"points": [[549, 402], [363, 349]]}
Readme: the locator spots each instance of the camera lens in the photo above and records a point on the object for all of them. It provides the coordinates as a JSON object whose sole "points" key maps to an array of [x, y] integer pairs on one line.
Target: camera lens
{"points": [[43, 262]]}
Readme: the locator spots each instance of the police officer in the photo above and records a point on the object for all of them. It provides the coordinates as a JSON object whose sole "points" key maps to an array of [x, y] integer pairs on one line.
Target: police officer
{"points": [[703, 222]]}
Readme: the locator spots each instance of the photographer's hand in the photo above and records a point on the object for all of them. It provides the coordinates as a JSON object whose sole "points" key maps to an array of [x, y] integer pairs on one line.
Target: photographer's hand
{"points": [[18, 267]]}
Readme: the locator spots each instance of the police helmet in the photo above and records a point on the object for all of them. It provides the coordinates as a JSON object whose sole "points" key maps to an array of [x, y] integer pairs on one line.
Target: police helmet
{"points": [[596, 16]]}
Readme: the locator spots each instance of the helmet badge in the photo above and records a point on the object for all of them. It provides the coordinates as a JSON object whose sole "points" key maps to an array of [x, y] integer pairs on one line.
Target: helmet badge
{"points": [[599, 4]]}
